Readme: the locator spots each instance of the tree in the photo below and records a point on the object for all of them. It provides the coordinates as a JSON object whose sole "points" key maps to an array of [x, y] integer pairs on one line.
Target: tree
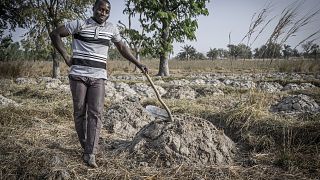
{"points": [[10, 14], [271, 50], [169, 21], [42, 16], [223, 53], [36, 50], [233, 50], [240, 51], [315, 50], [295, 53], [212, 54], [307, 48], [136, 40], [244, 51], [287, 51], [188, 52], [9, 50], [200, 56]]}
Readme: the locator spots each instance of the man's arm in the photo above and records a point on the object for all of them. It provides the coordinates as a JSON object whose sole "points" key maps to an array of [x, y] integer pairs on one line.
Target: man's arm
{"points": [[125, 52], [56, 36]]}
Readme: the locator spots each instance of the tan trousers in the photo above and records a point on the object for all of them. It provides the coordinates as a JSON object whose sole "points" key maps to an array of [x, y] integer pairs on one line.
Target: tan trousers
{"points": [[88, 102]]}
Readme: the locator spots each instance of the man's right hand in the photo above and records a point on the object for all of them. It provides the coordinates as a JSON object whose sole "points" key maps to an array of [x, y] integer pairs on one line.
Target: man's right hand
{"points": [[144, 68]]}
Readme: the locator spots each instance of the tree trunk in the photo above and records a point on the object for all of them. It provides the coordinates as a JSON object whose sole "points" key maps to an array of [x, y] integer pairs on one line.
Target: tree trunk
{"points": [[55, 65], [138, 59], [164, 65], [164, 54]]}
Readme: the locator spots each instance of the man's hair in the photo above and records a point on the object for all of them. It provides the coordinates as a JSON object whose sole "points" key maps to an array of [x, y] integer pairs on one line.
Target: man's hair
{"points": [[107, 1]]}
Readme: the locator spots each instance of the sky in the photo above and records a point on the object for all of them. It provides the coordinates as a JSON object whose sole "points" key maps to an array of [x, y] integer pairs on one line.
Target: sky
{"points": [[229, 16]]}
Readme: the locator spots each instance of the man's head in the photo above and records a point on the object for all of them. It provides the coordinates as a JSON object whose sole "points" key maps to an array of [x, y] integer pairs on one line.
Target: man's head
{"points": [[101, 11]]}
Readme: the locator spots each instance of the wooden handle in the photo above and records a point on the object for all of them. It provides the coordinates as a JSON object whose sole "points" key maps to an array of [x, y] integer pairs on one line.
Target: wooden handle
{"points": [[159, 97]]}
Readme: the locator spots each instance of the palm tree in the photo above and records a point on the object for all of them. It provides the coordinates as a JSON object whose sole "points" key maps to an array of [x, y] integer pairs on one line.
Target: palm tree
{"points": [[212, 54], [187, 52]]}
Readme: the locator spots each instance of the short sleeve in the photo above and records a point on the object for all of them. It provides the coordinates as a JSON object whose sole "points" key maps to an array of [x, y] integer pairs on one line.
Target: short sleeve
{"points": [[73, 26], [116, 35]]}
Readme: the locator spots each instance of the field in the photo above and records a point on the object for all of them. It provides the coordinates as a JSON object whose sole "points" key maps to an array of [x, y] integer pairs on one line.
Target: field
{"points": [[247, 100]]}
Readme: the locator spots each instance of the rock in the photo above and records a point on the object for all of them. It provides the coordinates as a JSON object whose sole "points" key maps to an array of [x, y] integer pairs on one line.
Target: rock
{"points": [[180, 92], [239, 84], [146, 91], [122, 90], [126, 118], [65, 88], [160, 81], [110, 91], [198, 82], [291, 87], [187, 140], [181, 82], [4, 102], [50, 83], [306, 86], [23, 80], [157, 112], [270, 87], [296, 104], [216, 83]]}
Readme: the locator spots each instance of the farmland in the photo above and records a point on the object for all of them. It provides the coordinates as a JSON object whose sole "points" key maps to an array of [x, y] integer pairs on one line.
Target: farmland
{"points": [[268, 111]]}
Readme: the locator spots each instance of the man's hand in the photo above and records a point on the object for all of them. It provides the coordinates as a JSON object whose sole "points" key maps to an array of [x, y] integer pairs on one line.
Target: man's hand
{"points": [[143, 68]]}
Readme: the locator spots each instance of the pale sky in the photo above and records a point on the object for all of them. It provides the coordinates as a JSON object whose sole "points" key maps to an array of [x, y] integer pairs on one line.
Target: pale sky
{"points": [[227, 16], [233, 16]]}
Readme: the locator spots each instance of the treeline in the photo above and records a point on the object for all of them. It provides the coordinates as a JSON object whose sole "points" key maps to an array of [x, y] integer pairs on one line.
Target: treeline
{"points": [[309, 50], [26, 50], [40, 50]]}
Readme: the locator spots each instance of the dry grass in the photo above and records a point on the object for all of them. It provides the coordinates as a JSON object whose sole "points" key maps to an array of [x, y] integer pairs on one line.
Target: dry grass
{"points": [[44, 68]]}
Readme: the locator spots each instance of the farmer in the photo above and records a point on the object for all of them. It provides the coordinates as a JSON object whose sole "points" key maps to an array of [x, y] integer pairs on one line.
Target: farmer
{"points": [[91, 41]]}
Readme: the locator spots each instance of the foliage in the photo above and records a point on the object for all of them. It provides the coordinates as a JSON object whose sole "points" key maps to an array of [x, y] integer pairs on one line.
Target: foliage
{"points": [[240, 51], [168, 21], [287, 51], [10, 14], [268, 51], [188, 52], [41, 17], [114, 54], [307, 47], [310, 49], [136, 40], [10, 50], [212, 54]]}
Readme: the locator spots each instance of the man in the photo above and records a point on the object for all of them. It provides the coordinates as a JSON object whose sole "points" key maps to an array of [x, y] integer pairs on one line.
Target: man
{"points": [[91, 40]]}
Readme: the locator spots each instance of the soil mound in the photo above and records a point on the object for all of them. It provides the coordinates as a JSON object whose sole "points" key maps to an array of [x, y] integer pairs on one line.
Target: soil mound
{"points": [[180, 92], [297, 104], [126, 118], [187, 140]]}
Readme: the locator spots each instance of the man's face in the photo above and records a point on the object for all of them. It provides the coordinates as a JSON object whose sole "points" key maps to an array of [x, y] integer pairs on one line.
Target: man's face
{"points": [[101, 12]]}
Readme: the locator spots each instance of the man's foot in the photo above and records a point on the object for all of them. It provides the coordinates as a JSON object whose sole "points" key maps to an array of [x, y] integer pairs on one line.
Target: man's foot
{"points": [[90, 160]]}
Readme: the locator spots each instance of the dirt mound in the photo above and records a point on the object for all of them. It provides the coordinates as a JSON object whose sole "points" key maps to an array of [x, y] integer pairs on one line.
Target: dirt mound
{"points": [[126, 118], [180, 92], [187, 140], [296, 104], [208, 91]]}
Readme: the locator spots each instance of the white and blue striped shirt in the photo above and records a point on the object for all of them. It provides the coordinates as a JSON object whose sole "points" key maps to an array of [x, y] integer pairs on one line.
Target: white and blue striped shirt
{"points": [[90, 46]]}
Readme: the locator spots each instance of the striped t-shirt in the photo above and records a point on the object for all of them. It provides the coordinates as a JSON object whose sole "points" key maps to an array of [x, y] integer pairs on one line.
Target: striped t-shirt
{"points": [[90, 46]]}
